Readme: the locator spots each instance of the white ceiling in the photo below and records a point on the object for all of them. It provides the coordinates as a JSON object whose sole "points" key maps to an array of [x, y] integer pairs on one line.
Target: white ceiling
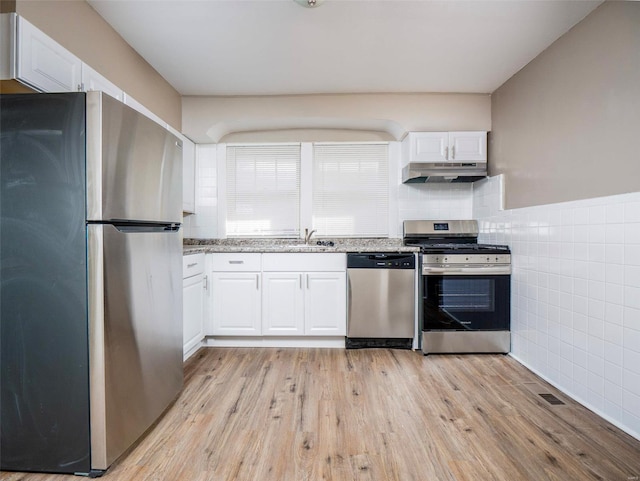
{"points": [[265, 47]]}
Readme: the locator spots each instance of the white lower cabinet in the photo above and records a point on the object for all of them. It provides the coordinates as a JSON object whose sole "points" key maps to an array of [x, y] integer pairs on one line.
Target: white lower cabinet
{"points": [[236, 295], [310, 301], [236, 303], [278, 295], [193, 290], [282, 304], [325, 306]]}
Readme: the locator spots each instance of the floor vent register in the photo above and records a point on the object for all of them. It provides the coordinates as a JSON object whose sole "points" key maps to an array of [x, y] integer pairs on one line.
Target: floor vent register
{"points": [[551, 399]]}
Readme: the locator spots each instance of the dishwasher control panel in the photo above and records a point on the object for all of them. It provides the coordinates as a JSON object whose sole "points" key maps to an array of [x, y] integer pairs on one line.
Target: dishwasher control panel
{"points": [[381, 261]]}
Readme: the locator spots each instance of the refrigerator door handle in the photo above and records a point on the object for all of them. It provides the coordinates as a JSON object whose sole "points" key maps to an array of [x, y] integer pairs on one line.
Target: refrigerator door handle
{"points": [[142, 227]]}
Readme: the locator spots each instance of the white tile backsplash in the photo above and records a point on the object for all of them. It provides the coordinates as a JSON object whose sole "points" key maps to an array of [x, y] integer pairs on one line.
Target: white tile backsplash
{"points": [[588, 253], [434, 201]]}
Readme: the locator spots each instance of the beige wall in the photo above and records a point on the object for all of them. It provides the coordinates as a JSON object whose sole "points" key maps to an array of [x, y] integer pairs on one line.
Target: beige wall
{"points": [[7, 6], [79, 28], [567, 126], [331, 117]]}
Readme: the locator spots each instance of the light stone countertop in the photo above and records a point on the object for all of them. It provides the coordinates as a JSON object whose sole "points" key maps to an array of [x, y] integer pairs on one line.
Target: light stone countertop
{"points": [[194, 246]]}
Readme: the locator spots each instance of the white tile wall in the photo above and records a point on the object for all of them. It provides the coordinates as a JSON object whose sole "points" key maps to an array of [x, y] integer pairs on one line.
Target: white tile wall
{"points": [[575, 294], [435, 201]]}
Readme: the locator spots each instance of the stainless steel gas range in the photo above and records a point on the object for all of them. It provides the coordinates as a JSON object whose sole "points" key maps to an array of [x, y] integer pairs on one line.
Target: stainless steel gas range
{"points": [[465, 288]]}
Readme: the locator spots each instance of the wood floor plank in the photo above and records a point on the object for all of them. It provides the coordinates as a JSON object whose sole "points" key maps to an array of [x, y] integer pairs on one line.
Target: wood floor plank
{"points": [[370, 414]]}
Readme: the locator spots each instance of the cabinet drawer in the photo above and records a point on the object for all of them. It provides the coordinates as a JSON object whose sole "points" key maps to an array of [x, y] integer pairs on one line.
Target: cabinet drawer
{"points": [[238, 262], [192, 265], [309, 262]]}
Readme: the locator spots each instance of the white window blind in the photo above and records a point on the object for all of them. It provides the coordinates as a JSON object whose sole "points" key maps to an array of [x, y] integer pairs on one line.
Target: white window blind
{"points": [[263, 190], [351, 190]]}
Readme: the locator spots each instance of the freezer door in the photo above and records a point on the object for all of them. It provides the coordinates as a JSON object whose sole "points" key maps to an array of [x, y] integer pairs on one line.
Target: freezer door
{"points": [[44, 378], [134, 166], [135, 333]]}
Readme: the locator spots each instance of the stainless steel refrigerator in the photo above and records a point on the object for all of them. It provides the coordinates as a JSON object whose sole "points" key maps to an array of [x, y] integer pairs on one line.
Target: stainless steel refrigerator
{"points": [[90, 280]]}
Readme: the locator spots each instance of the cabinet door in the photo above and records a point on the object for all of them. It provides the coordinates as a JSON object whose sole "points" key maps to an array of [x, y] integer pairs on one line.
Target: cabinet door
{"points": [[429, 146], [45, 64], [282, 304], [188, 172], [192, 312], [236, 303], [325, 304], [467, 146], [92, 80], [188, 176]]}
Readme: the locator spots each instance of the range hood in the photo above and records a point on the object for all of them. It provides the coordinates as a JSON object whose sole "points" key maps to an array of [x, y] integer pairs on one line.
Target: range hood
{"points": [[423, 172]]}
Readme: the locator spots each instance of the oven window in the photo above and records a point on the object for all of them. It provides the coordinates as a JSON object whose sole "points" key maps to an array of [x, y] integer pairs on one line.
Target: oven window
{"points": [[466, 302], [466, 294]]}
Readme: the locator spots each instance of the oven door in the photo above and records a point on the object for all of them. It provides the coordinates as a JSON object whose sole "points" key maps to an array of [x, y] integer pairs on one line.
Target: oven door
{"points": [[466, 302]]}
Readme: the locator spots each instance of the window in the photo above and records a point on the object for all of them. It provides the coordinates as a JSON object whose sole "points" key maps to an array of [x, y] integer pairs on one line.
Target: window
{"points": [[263, 190], [351, 189]]}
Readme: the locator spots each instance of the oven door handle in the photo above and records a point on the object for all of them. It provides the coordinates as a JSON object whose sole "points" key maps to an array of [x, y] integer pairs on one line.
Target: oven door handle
{"points": [[467, 271]]}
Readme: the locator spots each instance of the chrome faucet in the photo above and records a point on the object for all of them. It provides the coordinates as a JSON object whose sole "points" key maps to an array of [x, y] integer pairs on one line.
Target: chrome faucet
{"points": [[307, 235]]}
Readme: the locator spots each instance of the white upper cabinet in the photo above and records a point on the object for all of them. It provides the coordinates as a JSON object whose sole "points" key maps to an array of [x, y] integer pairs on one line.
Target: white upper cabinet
{"points": [[188, 172], [467, 146], [429, 146], [92, 80], [38, 61], [35, 59], [188, 176], [446, 146]]}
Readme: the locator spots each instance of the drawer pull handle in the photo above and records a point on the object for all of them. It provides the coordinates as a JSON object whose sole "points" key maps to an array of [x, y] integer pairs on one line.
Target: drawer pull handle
{"points": [[236, 262], [189, 266]]}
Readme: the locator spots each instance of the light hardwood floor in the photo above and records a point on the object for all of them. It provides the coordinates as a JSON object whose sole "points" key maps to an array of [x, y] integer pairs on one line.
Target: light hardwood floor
{"points": [[332, 414]]}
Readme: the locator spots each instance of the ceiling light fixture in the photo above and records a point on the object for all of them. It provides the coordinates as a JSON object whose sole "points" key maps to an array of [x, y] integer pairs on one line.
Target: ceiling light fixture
{"points": [[309, 3]]}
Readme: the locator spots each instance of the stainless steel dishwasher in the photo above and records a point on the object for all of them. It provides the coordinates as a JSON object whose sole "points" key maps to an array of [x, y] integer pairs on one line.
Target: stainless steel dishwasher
{"points": [[381, 300]]}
